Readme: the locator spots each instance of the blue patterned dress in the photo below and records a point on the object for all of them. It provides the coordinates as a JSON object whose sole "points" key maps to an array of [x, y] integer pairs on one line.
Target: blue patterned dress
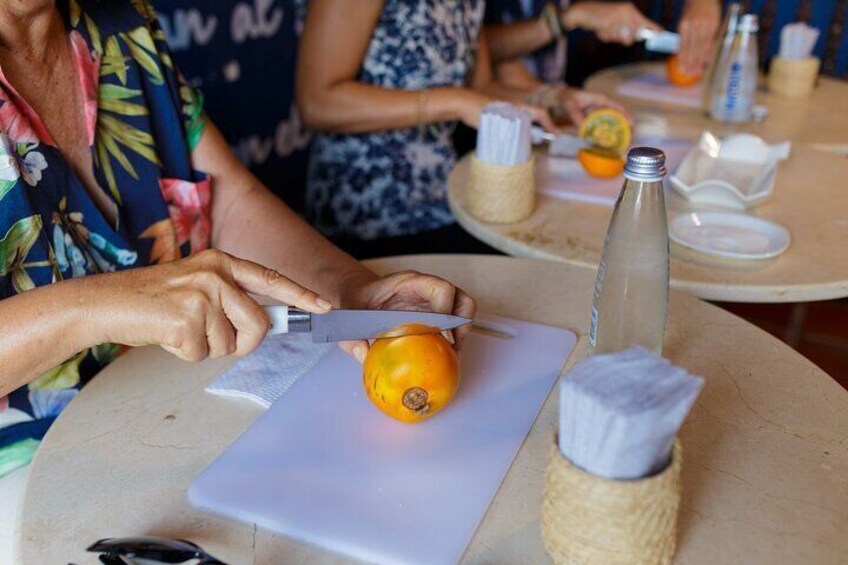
{"points": [[389, 183], [142, 123]]}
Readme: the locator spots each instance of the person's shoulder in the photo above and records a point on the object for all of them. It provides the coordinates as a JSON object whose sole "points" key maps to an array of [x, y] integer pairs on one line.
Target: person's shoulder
{"points": [[116, 16]]}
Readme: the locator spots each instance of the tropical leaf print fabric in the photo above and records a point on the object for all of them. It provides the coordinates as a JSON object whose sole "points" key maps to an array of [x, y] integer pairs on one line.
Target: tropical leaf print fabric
{"points": [[142, 122]]}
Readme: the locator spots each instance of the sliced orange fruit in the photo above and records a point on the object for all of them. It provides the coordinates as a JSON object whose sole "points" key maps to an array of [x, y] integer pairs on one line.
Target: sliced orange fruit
{"points": [[677, 77], [601, 163], [608, 129]]}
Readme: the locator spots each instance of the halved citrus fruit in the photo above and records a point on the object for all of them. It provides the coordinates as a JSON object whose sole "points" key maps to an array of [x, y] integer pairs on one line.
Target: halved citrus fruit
{"points": [[608, 129], [601, 163], [677, 77]]}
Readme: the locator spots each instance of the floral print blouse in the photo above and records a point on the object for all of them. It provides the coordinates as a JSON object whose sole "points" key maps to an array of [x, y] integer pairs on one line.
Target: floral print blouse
{"points": [[142, 123]]}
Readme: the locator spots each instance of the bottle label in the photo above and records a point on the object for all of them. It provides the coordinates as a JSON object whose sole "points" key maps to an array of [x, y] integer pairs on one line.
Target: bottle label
{"points": [[593, 327], [734, 86]]}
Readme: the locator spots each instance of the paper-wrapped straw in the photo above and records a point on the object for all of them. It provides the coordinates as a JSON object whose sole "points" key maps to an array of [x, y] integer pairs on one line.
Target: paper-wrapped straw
{"points": [[797, 40], [504, 136]]}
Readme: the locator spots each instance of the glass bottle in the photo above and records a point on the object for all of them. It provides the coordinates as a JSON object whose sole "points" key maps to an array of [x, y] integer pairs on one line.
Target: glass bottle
{"points": [[724, 40], [735, 81], [631, 289]]}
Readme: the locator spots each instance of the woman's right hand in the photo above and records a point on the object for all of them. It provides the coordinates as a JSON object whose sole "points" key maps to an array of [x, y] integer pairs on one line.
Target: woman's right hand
{"points": [[612, 22], [194, 308]]}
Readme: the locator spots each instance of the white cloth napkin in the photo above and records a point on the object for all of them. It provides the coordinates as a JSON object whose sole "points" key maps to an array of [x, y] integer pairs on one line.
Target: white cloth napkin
{"points": [[269, 372], [620, 413]]}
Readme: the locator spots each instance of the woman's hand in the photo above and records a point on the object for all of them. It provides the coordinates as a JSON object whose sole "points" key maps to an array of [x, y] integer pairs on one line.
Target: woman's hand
{"points": [[408, 290], [194, 308], [471, 103], [612, 22], [697, 28], [576, 103]]}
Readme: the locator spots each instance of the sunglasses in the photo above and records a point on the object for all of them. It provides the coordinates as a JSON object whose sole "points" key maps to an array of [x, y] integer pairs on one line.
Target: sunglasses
{"points": [[123, 551]]}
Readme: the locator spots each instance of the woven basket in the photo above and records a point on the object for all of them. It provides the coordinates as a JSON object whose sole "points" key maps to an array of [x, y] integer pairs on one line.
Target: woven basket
{"points": [[793, 78], [588, 520], [501, 194]]}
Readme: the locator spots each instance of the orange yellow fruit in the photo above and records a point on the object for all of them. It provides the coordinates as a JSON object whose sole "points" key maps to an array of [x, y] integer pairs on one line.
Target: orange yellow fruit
{"points": [[608, 129], [411, 375], [601, 163], [677, 77]]}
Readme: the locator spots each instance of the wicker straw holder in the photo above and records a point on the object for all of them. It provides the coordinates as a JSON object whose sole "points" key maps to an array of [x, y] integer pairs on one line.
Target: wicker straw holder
{"points": [[793, 78], [501, 194], [588, 520]]}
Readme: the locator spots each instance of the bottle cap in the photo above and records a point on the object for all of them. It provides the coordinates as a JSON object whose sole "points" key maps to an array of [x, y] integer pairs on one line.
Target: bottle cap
{"points": [[645, 163], [749, 23]]}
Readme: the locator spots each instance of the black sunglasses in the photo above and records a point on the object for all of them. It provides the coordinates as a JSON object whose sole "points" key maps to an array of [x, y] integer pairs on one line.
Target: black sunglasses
{"points": [[120, 551]]}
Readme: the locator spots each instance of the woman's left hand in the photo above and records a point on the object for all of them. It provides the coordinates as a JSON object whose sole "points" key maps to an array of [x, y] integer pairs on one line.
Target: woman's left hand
{"points": [[576, 103], [407, 290]]}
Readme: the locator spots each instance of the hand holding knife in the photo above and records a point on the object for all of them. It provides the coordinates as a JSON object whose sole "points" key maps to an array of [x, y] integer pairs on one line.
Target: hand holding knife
{"points": [[345, 325]]}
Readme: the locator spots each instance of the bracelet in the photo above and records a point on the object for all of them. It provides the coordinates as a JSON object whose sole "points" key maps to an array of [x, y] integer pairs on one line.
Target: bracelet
{"points": [[421, 112], [546, 96], [550, 14]]}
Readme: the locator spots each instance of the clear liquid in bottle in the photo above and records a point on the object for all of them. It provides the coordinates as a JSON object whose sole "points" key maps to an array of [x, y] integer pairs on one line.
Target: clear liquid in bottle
{"points": [[631, 289]]}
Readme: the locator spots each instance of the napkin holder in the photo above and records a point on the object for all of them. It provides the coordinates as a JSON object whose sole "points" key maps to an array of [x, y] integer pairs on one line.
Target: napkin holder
{"points": [[501, 194], [793, 78], [591, 520]]}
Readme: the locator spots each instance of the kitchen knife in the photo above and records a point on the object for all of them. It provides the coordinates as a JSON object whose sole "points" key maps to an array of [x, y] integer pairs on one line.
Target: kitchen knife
{"points": [[341, 325], [659, 41]]}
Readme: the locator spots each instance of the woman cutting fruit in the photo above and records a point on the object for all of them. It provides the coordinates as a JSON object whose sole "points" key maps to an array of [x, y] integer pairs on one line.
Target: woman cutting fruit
{"points": [[126, 220]]}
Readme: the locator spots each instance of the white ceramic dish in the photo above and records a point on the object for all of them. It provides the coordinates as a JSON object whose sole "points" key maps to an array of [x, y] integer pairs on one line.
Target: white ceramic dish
{"points": [[724, 234], [736, 172]]}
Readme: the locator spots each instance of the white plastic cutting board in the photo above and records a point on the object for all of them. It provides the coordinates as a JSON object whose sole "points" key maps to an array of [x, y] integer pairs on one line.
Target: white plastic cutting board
{"points": [[325, 466]]}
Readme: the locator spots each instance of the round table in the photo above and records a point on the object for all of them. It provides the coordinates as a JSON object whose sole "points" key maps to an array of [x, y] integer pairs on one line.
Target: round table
{"points": [[809, 199], [765, 465]]}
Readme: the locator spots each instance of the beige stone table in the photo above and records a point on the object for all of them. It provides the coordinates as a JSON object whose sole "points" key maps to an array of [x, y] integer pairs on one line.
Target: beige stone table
{"points": [[766, 446], [810, 199]]}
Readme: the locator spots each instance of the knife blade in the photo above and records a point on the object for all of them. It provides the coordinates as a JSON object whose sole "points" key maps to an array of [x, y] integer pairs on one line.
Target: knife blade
{"points": [[342, 325], [659, 41]]}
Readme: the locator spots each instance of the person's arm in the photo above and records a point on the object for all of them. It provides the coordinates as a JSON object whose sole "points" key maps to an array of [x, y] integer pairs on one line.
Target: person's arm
{"points": [[251, 223], [615, 22], [698, 26], [560, 99], [513, 40], [194, 308], [329, 96], [612, 22]]}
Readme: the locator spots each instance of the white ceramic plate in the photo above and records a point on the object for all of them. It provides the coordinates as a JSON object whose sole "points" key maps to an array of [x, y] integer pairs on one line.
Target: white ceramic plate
{"points": [[736, 236]]}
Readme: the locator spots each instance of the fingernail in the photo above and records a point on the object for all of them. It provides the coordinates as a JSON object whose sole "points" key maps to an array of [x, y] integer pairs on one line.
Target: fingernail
{"points": [[359, 353], [323, 303], [448, 335]]}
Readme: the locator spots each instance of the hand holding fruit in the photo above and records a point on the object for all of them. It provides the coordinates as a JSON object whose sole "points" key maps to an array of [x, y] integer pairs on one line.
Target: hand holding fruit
{"points": [[408, 290]]}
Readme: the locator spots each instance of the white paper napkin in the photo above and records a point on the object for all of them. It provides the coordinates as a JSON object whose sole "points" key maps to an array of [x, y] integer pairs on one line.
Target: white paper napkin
{"points": [[266, 374], [620, 413]]}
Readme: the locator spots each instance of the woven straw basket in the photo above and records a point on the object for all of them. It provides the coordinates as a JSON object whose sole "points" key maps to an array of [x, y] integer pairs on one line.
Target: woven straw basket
{"points": [[793, 78], [588, 520], [501, 194]]}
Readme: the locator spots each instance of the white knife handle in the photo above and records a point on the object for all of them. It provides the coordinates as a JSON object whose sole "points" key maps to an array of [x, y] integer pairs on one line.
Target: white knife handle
{"points": [[279, 316], [285, 319]]}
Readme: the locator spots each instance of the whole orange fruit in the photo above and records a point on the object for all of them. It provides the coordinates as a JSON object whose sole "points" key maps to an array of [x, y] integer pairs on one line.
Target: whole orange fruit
{"points": [[599, 162], [677, 77], [411, 375]]}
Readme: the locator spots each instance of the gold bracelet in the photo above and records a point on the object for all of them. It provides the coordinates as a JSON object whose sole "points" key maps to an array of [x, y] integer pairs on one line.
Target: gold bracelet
{"points": [[421, 112]]}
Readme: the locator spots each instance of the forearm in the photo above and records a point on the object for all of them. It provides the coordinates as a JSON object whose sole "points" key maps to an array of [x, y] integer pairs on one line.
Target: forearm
{"points": [[261, 228], [514, 74], [42, 328], [248, 221], [510, 41], [354, 107]]}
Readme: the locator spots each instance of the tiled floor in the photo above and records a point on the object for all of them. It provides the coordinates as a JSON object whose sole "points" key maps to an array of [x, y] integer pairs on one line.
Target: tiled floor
{"points": [[818, 330]]}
